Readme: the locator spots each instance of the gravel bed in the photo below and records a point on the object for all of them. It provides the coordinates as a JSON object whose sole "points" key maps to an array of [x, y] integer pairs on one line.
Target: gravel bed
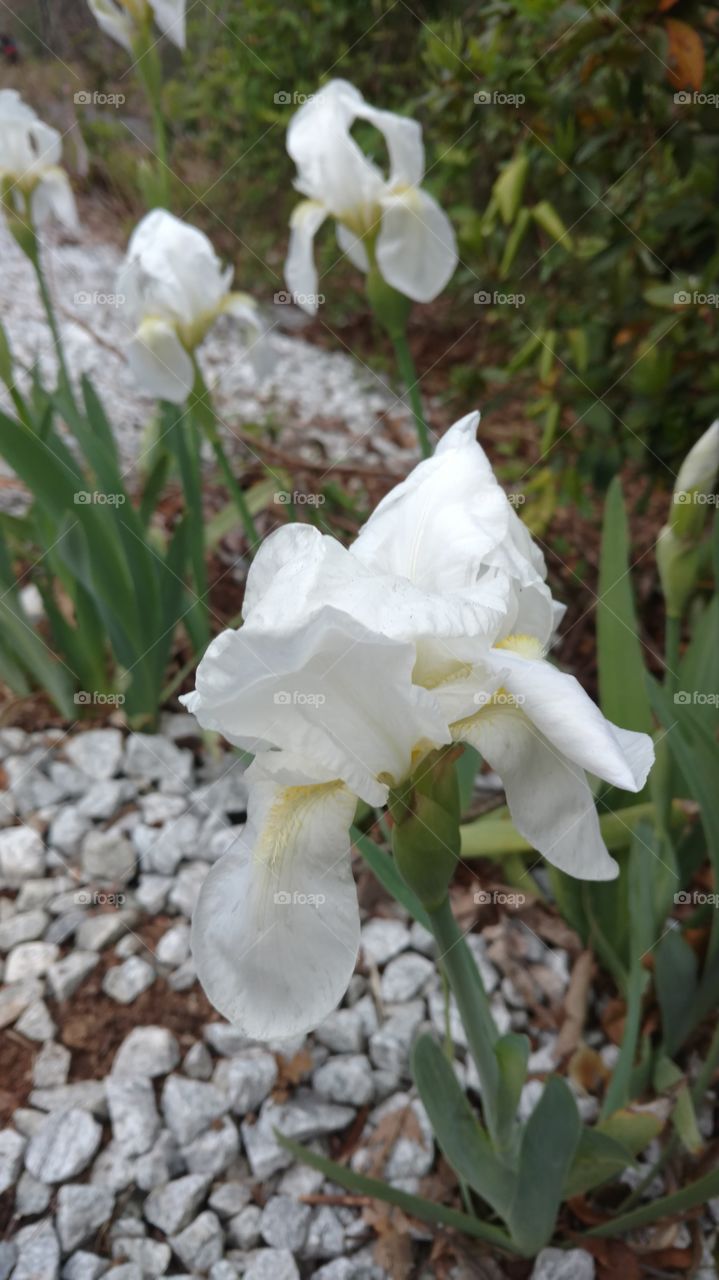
{"points": [[325, 403], [140, 1128]]}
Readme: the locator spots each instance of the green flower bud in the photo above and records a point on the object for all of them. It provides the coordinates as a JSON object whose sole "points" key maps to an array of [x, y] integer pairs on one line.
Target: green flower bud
{"points": [[678, 564], [695, 486], [425, 835]]}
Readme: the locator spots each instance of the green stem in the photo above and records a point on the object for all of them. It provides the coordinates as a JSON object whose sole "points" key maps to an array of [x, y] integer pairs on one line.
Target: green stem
{"points": [[672, 632], [188, 458], [149, 71], [408, 374], [467, 987], [618, 1091], [64, 376], [204, 414]]}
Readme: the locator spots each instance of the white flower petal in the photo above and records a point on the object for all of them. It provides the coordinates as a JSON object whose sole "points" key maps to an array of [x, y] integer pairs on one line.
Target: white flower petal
{"points": [[416, 247], [353, 246], [170, 18], [115, 21], [53, 198], [330, 690], [275, 932], [557, 704], [296, 574], [449, 521], [331, 168], [548, 795], [300, 271], [160, 363], [171, 271], [404, 143]]}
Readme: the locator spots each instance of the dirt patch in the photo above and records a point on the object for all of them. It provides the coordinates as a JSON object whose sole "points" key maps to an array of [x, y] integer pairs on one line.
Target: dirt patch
{"points": [[16, 1059], [94, 1026]]}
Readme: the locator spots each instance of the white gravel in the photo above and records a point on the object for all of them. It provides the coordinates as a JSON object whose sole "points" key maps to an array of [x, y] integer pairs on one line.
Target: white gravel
{"points": [[326, 399]]}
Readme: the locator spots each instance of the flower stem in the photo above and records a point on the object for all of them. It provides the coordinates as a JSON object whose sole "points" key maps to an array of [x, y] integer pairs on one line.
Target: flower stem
{"points": [[671, 650], [464, 978], [408, 374], [204, 413], [64, 375]]}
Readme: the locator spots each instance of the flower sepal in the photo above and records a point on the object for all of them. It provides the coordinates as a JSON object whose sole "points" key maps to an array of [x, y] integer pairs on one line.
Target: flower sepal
{"points": [[425, 834]]}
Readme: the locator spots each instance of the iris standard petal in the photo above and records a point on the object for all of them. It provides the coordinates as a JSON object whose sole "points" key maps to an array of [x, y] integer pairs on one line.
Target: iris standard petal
{"points": [[275, 931]]}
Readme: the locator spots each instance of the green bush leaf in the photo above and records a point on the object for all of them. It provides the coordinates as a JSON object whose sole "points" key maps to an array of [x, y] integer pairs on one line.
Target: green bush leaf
{"points": [[622, 692]]}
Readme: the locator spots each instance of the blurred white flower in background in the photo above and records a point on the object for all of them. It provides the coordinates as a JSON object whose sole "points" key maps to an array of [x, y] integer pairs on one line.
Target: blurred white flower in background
{"points": [[384, 220], [31, 178], [350, 668], [125, 20], [174, 287]]}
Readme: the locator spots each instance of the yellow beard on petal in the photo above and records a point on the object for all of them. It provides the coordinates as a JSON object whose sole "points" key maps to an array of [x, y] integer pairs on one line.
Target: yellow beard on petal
{"points": [[285, 818], [526, 646]]}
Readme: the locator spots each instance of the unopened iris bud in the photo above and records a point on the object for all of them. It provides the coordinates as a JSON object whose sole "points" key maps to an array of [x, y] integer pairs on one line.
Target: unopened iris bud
{"points": [[425, 835], [678, 545]]}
